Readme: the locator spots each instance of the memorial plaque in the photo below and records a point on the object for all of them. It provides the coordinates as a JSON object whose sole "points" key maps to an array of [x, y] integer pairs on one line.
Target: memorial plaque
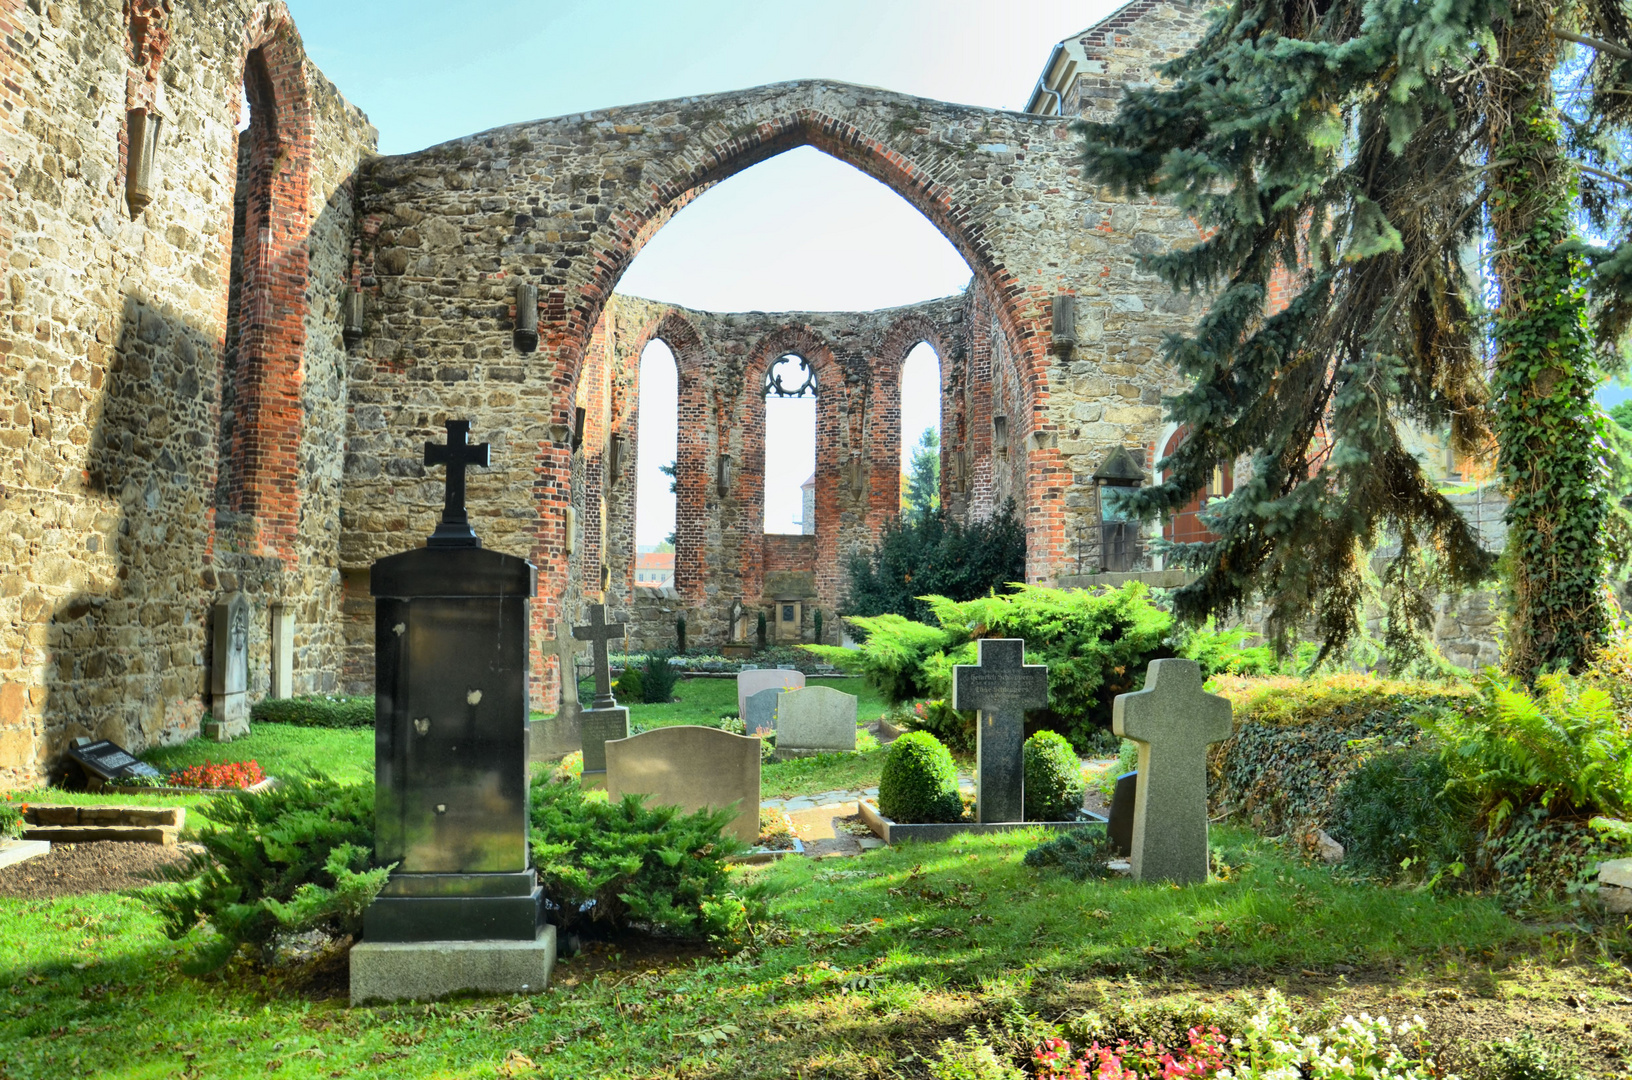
{"points": [[107, 760], [1174, 720], [1001, 687]]}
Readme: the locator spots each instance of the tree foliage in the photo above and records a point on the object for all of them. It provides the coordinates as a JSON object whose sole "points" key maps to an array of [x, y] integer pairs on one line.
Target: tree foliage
{"points": [[1370, 148], [923, 494], [933, 553]]}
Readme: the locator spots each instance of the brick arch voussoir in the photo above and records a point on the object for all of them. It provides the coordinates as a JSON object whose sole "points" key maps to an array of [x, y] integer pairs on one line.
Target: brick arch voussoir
{"points": [[904, 335]]}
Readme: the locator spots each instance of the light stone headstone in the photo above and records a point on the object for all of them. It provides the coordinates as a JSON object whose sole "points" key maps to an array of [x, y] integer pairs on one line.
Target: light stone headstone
{"points": [[752, 682], [815, 718], [1002, 687], [761, 710], [1173, 720], [229, 668], [283, 652], [690, 767]]}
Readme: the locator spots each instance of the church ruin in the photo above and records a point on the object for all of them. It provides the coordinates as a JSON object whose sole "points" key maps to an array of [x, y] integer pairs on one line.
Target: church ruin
{"points": [[227, 343]]}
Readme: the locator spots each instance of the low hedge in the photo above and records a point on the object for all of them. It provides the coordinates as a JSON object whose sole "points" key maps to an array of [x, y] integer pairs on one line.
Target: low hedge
{"points": [[316, 711], [1297, 740]]}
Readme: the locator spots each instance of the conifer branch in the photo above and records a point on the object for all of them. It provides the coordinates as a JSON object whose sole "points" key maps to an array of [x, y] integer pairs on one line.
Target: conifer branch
{"points": [[1595, 43]]}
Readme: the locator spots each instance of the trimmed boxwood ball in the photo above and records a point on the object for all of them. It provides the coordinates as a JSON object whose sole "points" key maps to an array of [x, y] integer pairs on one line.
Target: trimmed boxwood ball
{"points": [[1054, 785], [919, 783]]}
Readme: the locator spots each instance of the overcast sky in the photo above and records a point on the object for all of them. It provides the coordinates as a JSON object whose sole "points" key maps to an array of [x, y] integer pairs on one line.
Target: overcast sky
{"points": [[802, 231]]}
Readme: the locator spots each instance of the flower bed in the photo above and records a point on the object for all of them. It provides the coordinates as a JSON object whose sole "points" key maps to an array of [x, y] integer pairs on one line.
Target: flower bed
{"points": [[12, 818]]}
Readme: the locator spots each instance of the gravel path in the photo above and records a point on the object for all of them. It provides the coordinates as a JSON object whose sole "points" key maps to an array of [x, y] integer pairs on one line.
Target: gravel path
{"points": [[76, 869]]}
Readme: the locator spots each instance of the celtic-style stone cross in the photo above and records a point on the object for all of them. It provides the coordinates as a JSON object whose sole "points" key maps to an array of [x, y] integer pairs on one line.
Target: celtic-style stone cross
{"points": [[454, 529], [1173, 720], [1002, 687], [598, 633]]}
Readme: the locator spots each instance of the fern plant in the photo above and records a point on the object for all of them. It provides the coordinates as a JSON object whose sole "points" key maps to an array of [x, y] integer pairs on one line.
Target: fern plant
{"points": [[1563, 749]]}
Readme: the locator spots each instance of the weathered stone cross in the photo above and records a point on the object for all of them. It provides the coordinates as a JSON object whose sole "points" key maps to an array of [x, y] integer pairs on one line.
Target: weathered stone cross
{"points": [[1173, 720], [1002, 687], [454, 529], [598, 633]]}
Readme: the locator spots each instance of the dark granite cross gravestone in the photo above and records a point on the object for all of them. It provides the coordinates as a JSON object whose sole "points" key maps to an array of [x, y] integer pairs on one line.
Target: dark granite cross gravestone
{"points": [[1002, 687], [450, 764], [454, 529]]}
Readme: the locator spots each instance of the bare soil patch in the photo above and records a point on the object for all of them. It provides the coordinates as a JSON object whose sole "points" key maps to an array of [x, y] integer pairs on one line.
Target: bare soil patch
{"points": [[77, 869]]}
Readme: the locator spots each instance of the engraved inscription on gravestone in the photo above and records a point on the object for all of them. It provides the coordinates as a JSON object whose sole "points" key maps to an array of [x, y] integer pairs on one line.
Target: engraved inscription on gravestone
{"points": [[1002, 687], [106, 760]]}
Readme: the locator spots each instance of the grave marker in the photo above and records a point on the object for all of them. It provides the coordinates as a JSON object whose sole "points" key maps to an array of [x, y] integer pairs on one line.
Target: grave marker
{"points": [[761, 710], [229, 669], [462, 910], [752, 682], [1173, 720], [1001, 687], [605, 719], [815, 718], [691, 767], [107, 760]]}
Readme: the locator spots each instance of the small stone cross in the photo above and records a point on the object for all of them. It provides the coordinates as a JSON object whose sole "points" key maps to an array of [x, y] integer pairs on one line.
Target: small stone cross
{"points": [[598, 633], [1174, 721], [1002, 687], [454, 529]]}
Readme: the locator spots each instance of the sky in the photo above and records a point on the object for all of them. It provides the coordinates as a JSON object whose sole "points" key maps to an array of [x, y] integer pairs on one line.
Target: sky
{"points": [[801, 231]]}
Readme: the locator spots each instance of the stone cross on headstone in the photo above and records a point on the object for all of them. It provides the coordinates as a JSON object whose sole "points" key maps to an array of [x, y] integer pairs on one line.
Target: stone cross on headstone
{"points": [[454, 529], [1173, 720], [1002, 687], [598, 633]]}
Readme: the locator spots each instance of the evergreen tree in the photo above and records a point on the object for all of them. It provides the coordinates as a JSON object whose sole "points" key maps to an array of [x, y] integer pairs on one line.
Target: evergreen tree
{"points": [[917, 556], [923, 495], [1372, 147], [672, 471]]}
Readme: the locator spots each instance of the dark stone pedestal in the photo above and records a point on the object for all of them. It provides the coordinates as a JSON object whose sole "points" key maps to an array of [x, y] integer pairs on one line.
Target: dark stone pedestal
{"points": [[450, 739], [598, 727]]}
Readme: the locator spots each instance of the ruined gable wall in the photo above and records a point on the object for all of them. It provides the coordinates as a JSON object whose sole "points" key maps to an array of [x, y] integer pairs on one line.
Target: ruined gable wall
{"points": [[110, 397]]}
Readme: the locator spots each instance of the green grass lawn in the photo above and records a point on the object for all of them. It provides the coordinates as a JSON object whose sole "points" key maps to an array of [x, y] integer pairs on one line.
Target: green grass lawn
{"points": [[869, 962]]}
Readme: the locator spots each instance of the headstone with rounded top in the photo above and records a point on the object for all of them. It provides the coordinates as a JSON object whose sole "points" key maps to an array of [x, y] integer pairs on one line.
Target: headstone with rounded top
{"points": [[1174, 720], [815, 719], [752, 682], [691, 767]]}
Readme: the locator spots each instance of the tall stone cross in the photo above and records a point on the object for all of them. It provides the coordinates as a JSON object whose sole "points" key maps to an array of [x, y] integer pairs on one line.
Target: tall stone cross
{"points": [[1174, 721], [598, 633], [454, 529], [1002, 687]]}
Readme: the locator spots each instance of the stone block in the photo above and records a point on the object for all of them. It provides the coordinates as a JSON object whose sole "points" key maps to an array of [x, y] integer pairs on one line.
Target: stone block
{"points": [[428, 970], [597, 727]]}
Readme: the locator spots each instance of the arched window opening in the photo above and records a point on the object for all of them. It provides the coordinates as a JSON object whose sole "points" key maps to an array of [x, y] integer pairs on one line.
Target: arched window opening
{"points": [[920, 432], [657, 444], [251, 199], [790, 446], [1185, 527]]}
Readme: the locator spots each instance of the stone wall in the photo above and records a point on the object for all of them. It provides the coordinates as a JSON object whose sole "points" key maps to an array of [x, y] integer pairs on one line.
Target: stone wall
{"points": [[111, 404], [565, 204]]}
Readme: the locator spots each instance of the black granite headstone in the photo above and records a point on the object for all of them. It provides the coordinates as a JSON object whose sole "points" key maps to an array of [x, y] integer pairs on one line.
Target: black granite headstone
{"points": [[1119, 826], [450, 737], [1002, 687], [107, 760]]}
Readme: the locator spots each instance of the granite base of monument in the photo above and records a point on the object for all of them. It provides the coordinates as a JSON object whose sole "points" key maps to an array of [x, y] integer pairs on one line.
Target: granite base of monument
{"points": [[389, 971], [229, 718], [894, 832]]}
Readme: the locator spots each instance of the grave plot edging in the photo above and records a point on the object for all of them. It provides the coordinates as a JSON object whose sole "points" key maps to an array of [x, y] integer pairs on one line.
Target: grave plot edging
{"points": [[894, 832]]}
